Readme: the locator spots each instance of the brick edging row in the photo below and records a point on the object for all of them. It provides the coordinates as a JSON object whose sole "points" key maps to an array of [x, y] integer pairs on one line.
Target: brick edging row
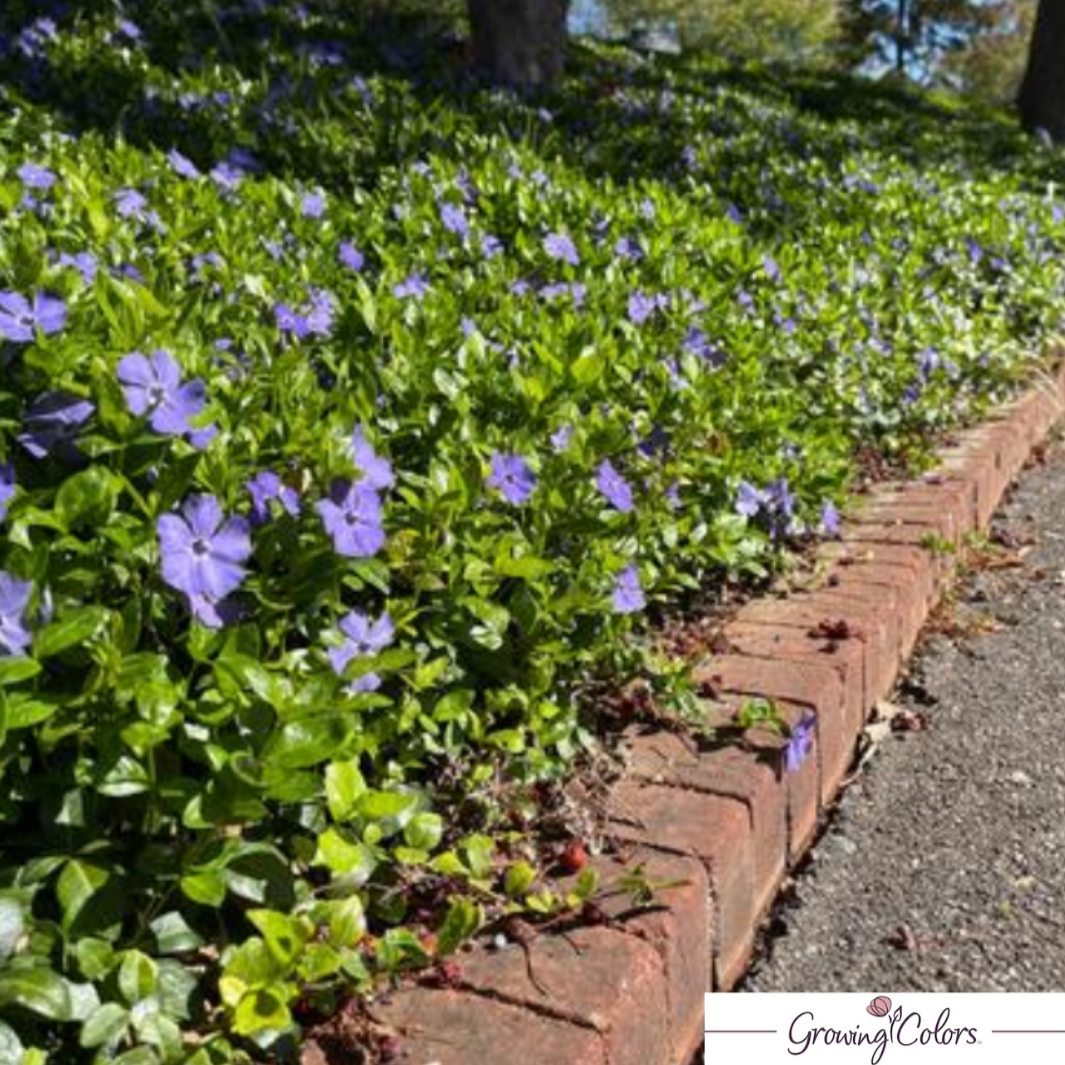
{"points": [[720, 828]]}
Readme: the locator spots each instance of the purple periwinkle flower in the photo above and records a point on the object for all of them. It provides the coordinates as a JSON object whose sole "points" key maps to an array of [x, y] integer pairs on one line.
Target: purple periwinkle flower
{"points": [[20, 319], [130, 203], [313, 204], [52, 423], [36, 177], [321, 311], [352, 515], [202, 554], [15, 637], [627, 596], [152, 386], [829, 518], [266, 486], [491, 246], [799, 742], [627, 248], [365, 638], [376, 471], [642, 305], [454, 220], [414, 287], [512, 477], [560, 438], [7, 487], [84, 262], [749, 500], [560, 247], [614, 487], [351, 257]]}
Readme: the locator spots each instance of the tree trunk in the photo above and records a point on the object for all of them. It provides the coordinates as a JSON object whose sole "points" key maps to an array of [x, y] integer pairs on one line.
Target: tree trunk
{"points": [[1042, 96], [520, 43]]}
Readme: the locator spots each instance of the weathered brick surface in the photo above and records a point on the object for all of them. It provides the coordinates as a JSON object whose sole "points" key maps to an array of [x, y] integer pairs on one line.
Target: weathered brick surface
{"points": [[800, 644], [853, 616], [462, 1028], [912, 603], [916, 562], [814, 687], [712, 828], [677, 924], [664, 758], [596, 977]]}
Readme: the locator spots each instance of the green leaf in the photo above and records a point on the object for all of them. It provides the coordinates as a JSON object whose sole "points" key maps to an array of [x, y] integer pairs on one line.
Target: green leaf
{"points": [[310, 741], [95, 958], [259, 1011], [74, 627], [479, 851], [173, 934], [11, 1049], [463, 918], [424, 831], [12, 926], [520, 877], [588, 368], [38, 990], [344, 786], [347, 920], [207, 887], [87, 498], [353, 860], [77, 884], [285, 935], [15, 670], [138, 976], [104, 1025]]}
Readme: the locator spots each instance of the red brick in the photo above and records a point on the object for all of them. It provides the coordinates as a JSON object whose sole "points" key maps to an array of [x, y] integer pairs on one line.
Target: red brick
{"points": [[677, 924], [595, 977], [817, 688], [461, 1028], [911, 602], [915, 561], [871, 624], [767, 639], [712, 828], [663, 758]]}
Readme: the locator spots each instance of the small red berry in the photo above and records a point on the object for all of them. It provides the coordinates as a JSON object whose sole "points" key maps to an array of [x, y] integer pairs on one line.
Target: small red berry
{"points": [[574, 857]]}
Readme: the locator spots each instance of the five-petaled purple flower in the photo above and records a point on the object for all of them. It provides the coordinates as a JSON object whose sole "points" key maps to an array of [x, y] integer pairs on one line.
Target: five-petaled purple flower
{"points": [[36, 177], [414, 287], [561, 247], [7, 487], [313, 204], [350, 256], [182, 165], [365, 638], [829, 518], [352, 516], [628, 597], [20, 319], [512, 477], [749, 500], [799, 742], [454, 220], [266, 486], [152, 386], [202, 554], [614, 487], [15, 638], [52, 422], [376, 471]]}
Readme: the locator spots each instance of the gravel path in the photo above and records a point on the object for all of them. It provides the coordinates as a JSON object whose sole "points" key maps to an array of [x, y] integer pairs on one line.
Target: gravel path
{"points": [[944, 866]]}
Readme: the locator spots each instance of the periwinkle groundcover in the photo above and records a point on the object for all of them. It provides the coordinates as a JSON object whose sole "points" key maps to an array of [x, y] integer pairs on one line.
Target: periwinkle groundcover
{"points": [[351, 423]]}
